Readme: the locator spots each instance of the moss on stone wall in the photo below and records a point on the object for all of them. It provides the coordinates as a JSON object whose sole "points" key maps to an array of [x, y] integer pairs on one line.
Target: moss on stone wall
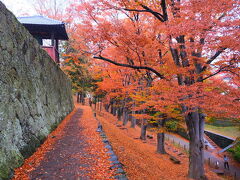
{"points": [[7, 167]]}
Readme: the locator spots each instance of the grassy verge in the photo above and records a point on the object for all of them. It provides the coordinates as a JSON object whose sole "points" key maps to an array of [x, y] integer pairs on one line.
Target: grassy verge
{"points": [[231, 131]]}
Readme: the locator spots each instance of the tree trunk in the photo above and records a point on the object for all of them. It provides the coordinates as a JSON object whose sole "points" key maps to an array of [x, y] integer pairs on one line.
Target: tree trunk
{"points": [[133, 120], [78, 97], [161, 136], [106, 106], [95, 103], [195, 124], [82, 100], [111, 106], [143, 130], [160, 143], [114, 109], [90, 102], [100, 106], [125, 116], [119, 113]]}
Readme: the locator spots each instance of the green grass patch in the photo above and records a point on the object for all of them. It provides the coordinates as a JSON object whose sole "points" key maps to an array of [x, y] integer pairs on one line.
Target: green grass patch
{"points": [[235, 152], [231, 131]]}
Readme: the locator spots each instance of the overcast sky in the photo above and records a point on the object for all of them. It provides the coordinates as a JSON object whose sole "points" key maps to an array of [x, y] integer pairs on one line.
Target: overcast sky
{"points": [[20, 7]]}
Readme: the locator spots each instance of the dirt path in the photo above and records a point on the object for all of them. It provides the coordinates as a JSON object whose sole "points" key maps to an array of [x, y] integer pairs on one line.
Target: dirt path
{"points": [[78, 152]]}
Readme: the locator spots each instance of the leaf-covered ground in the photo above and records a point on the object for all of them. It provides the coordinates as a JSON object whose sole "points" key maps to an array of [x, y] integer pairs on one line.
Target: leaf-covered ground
{"points": [[73, 151], [140, 158]]}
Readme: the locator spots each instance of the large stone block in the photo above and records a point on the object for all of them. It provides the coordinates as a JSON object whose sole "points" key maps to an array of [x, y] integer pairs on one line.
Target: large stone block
{"points": [[35, 94]]}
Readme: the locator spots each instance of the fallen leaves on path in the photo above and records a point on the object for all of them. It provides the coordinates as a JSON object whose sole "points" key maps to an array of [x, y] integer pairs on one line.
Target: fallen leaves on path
{"points": [[101, 164], [76, 151], [22, 173]]}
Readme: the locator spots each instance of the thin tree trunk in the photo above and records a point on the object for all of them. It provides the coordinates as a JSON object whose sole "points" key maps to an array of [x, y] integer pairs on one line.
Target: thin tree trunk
{"points": [[95, 103], [90, 102], [143, 129], [119, 113], [82, 99], [195, 124], [106, 106], [111, 106], [114, 109], [133, 120], [78, 97], [100, 106], [125, 116]]}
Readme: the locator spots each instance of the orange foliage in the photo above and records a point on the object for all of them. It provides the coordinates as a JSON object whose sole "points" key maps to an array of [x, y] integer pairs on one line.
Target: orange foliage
{"points": [[183, 55], [130, 34]]}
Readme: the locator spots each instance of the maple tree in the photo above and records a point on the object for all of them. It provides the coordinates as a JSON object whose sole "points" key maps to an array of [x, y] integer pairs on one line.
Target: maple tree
{"points": [[188, 47], [125, 91]]}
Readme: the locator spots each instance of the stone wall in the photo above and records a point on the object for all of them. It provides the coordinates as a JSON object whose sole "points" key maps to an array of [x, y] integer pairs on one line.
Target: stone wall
{"points": [[35, 95]]}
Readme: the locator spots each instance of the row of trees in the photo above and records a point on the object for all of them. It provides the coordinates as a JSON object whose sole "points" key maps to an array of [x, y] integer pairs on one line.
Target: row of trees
{"points": [[161, 59], [184, 57]]}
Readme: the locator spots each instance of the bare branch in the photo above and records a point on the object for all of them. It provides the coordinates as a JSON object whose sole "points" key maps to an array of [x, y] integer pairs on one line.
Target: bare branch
{"points": [[130, 66], [159, 16], [135, 10], [215, 55], [221, 69], [147, 9], [213, 58], [212, 75]]}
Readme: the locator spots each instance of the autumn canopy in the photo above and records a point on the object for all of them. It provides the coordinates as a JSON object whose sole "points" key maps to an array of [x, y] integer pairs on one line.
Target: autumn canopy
{"points": [[176, 58]]}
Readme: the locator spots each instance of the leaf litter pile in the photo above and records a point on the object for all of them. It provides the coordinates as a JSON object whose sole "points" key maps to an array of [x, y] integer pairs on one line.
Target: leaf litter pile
{"points": [[74, 150], [139, 157]]}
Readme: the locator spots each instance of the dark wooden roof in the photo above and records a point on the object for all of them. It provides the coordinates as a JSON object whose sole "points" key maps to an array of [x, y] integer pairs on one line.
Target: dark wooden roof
{"points": [[44, 27]]}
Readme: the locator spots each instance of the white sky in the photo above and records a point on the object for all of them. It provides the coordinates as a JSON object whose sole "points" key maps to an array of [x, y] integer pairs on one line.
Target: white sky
{"points": [[20, 7]]}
